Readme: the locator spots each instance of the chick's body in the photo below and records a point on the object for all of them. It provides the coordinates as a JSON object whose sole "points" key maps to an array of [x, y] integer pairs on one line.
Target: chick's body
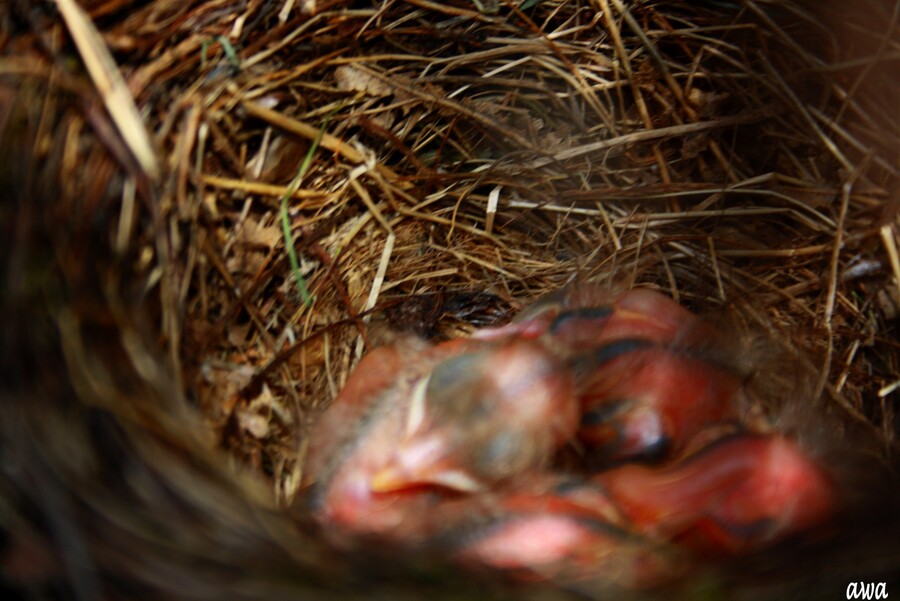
{"points": [[549, 528], [356, 435], [457, 447], [638, 360], [486, 416], [646, 402], [579, 318], [427, 425], [740, 494]]}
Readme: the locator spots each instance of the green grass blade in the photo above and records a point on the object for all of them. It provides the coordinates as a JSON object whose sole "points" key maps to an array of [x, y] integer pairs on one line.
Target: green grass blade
{"points": [[285, 218]]}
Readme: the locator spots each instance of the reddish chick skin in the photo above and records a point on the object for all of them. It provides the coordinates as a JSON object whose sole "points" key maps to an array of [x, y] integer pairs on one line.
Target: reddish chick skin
{"points": [[483, 417], [644, 389], [446, 446], [738, 495], [582, 317], [339, 425], [554, 536], [645, 402], [355, 437], [446, 420], [636, 314]]}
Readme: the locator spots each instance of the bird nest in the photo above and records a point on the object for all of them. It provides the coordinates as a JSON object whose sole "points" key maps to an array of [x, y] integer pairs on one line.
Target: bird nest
{"points": [[215, 208]]}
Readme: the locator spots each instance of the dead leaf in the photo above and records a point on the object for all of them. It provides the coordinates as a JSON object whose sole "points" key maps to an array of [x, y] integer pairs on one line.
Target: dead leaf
{"points": [[354, 79]]}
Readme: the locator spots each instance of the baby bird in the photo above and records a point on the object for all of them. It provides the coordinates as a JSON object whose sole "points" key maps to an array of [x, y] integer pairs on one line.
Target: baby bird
{"points": [[645, 402], [355, 436], [640, 374], [481, 417], [557, 534], [575, 319], [738, 495], [434, 423]]}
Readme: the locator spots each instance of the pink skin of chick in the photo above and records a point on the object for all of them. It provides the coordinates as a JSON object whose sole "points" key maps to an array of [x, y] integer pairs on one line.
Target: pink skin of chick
{"points": [[567, 535], [453, 419], [738, 495], [582, 317], [645, 402]]}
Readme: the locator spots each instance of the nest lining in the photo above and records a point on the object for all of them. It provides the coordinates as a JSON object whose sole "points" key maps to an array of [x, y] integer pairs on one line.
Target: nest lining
{"points": [[465, 160]]}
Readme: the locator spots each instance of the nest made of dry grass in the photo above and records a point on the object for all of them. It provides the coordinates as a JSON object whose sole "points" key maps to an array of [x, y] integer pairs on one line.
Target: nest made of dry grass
{"points": [[462, 159]]}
